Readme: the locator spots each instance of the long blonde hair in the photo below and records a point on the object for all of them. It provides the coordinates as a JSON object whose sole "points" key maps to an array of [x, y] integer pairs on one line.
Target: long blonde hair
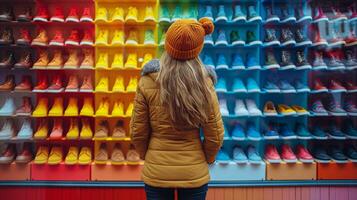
{"points": [[184, 91]]}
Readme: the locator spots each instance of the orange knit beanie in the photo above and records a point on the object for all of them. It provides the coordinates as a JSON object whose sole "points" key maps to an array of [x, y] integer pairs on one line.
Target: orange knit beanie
{"points": [[185, 38]]}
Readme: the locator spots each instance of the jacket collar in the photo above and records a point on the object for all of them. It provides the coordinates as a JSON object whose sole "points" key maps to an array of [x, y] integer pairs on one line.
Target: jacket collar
{"points": [[153, 66]]}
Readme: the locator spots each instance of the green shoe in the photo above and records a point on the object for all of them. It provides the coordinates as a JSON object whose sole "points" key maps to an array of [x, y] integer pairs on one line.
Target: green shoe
{"points": [[164, 14], [235, 38], [177, 14], [149, 38], [163, 37], [251, 39], [190, 13]]}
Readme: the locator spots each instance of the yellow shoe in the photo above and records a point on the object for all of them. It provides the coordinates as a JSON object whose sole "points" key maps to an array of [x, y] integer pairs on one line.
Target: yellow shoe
{"points": [[72, 108], [299, 110], [119, 85], [42, 130], [285, 110], [118, 38], [133, 83], [73, 131], [103, 109], [149, 14], [86, 131], [57, 107], [102, 38], [102, 62], [101, 15], [132, 38], [87, 109], [147, 58], [118, 109], [72, 156], [118, 62], [132, 14], [118, 14], [131, 61], [57, 60], [55, 156], [41, 155], [85, 156], [102, 85], [129, 110], [41, 108]]}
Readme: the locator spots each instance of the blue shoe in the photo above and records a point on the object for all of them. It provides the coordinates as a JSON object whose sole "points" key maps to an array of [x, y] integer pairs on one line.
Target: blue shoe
{"points": [[252, 62], [238, 14], [300, 87], [223, 157], [321, 156], [252, 132], [221, 62], [8, 107], [221, 16], [337, 155], [221, 39], [271, 132], [237, 62], [336, 133], [319, 134], [223, 107], [226, 133], [209, 40], [177, 13], [271, 87], [302, 132], [221, 85], [253, 155], [286, 132], [253, 15], [239, 155], [164, 14], [7, 131], [349, 129], [238, 86], [238, 133], [286, 87], [252, 85], [25, 131], [208, 61], [208, 13]]}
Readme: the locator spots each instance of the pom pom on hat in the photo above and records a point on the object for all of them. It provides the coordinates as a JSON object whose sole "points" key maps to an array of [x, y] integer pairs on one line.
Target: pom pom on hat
{"points": [[207, 24]]}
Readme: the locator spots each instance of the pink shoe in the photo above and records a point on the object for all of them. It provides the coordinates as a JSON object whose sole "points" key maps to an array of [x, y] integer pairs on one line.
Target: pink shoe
{"points": [[271, 154], [303, 154], [287, 154], [57, 130], [72, 85]]}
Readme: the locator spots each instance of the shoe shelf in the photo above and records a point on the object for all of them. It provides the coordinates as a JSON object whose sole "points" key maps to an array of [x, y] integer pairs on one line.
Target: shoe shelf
{"points": [[60, 172], [291, 171], [112, 139], [110, 172], [237, 172], [15, 172], [335, 171]]}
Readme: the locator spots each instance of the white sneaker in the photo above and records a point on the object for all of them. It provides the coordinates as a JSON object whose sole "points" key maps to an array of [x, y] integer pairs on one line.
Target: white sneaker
{"points": [[252, 108], [240, 108], [223, 107], [7, 131]]}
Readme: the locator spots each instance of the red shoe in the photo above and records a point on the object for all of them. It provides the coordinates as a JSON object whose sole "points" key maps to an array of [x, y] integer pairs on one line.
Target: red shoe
{"points": [[72, 16], [25, 155], [72, 85], [57, 130], [73, 38], [303, 154], [25, 84], [56, 85], [87, 39], [351, 87], [8, 155], [26, 107], [336, 86], [58, 16], [25, 37], [41, 86], [42, 14], [287, 154], [58, 39], [319, 86], [86, 16], [320, 16], [271, 154], [351, 40]]}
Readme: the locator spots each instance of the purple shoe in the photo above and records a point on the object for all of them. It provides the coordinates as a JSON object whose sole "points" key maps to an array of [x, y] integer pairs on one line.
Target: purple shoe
{"points": [[318, 109], [351, 108], [335, 108]]}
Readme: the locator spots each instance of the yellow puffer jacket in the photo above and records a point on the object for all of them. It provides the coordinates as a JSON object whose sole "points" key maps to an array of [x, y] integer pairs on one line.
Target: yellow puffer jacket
{"points": [[172, 158]]}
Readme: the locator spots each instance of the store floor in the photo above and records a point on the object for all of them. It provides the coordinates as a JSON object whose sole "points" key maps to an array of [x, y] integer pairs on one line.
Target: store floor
{"points": [[241, 193]]}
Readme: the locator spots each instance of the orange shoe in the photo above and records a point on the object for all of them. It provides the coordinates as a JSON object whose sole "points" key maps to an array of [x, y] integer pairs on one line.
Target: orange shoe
{"points": [[42, 61], [299, 110], [269, 109], [57, 60], [87, 62], [41, 39], [72, 61], [285, 110]]}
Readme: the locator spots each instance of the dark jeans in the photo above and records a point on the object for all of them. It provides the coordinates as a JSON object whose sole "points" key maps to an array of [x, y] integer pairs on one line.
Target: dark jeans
{"points": [[156, 193]]}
